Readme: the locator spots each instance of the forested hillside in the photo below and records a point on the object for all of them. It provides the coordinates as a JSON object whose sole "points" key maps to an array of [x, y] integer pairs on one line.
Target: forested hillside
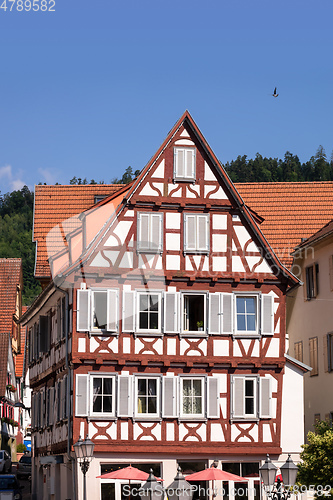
{"points": [[16, 208], [16, 213]]}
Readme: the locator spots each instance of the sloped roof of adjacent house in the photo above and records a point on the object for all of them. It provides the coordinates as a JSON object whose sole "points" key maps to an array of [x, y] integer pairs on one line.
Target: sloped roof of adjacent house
{"points": [[55, 204], [323, 232], [10, 278], [291, 211]]}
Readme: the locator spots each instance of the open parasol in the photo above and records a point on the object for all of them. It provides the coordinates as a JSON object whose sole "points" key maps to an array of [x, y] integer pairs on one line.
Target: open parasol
{"points": [[130, 473], [214, 474]]}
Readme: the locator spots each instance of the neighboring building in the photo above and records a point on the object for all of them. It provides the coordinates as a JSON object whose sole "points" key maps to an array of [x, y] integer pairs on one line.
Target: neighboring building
{"points": [[310, 322], [162, 333], [22, 379], [11, 284]]}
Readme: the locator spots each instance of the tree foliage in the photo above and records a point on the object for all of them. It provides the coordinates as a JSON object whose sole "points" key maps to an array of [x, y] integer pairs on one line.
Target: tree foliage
{"points": [[317, 458], [16, 213], [290, 169]]}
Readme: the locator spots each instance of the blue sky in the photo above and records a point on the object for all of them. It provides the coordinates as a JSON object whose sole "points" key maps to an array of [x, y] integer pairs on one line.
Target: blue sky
{"points": [[95, 86]]}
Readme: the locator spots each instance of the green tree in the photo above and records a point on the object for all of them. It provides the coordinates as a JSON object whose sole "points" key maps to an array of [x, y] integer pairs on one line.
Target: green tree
{"points": [[317, 459]]}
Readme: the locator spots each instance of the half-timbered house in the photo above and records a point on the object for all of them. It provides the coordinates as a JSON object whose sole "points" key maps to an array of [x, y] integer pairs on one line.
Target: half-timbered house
{"points": [[161, 334]]}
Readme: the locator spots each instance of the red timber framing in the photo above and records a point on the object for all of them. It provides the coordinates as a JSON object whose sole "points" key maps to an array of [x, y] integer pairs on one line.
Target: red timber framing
{"points": [[204, 253]]}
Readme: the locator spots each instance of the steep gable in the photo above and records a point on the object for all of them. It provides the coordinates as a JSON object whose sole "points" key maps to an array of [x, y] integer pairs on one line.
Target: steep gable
{"points": [[185, 193]]}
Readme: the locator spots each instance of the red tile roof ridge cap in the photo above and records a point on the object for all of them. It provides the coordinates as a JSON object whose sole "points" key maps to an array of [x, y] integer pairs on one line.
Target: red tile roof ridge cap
{"points": [[76, 186]]}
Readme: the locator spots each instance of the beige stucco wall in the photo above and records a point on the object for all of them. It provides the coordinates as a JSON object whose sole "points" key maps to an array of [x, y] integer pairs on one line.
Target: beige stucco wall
{"points": [[313, 318]]}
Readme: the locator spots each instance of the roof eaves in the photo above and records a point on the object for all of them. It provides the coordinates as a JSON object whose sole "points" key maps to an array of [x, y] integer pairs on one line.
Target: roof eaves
{"points": [[305, 368]]}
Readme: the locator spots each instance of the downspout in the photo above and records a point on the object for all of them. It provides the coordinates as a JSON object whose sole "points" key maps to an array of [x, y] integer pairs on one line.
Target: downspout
{"points": [[68, 395]]}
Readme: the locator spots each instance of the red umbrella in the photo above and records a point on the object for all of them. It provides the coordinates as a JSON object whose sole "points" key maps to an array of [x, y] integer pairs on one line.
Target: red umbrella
{"points": [[214, 474], [130, 473]]}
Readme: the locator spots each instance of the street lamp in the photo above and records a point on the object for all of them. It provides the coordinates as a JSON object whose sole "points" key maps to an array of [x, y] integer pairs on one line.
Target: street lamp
{"points": [[179, 489], [268, 477], [152, 489], [84, 452]]}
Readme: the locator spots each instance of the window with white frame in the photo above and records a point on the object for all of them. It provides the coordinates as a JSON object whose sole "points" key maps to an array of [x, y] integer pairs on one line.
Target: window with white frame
{"points": [[102, 395], [149, 311], [194, 312], [246, 309], [251, 397], [147, 390], [150, 232], [192, 396], [184, 164], [97, 310], [196, 233]]}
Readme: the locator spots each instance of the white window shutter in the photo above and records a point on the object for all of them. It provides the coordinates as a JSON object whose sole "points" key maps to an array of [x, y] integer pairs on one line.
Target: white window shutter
{"points": [[124, 396], [265, 397], [81, 396], [213, 397], [169, 396], [202, 232], [190, 232], [83, 311], [214, 326], [128, 311], [143, 231], [227, 300], [238, 397], [155, 242], [267, 315], [112, 311], [171, 312]]}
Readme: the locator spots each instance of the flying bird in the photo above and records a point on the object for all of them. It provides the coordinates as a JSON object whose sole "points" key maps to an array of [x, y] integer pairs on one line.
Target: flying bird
{"points": [[275, 94]]}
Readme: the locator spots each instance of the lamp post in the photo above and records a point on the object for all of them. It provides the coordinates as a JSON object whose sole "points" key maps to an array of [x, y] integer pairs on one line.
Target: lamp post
{"points": [[152, 489], [268, 477], [84, 452], [179, 489]]}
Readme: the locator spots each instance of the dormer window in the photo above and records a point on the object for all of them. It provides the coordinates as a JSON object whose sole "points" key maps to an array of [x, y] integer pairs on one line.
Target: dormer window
{"points": [[184, 164]]}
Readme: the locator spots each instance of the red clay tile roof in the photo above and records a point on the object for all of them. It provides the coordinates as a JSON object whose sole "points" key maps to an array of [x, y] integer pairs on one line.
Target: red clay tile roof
{"points": [[325, 231], [10, 277], [292, 211], [55, 204]]}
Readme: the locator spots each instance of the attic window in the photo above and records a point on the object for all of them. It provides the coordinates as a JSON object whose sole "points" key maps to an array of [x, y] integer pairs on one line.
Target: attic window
{"points": [[98, 198], [184, 164]]}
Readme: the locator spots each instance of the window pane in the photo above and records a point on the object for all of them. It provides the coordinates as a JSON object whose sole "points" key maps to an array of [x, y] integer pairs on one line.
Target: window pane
{"points": [[197, 406], [197, 387], [153, 321], [100, 309], [152, 387], [186, 387], [97, 404], [250, 305], [107, 382], [187, 405], [143, 321], [240, 305], [142, 406], [153, 302], [249, 387], [152, 405], [249, 406], [143, 302], [107, 404], [241, 322], [97, 385], [251, 323], [142, 384]]}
